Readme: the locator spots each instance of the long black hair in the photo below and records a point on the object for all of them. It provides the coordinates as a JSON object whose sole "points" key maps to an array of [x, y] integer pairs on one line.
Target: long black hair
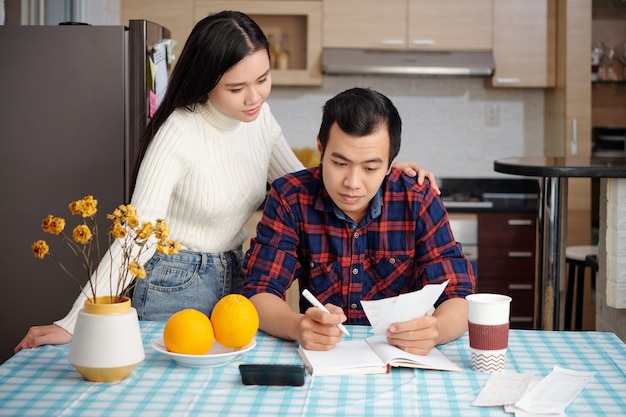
{"points": [[216, 44]]}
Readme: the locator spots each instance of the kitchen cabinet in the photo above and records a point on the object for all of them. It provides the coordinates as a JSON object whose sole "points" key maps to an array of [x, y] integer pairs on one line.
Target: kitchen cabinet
{"points": [[506, 261], [300, 21], [297, 22], [408, 24], [524, 43], [177, 16]]}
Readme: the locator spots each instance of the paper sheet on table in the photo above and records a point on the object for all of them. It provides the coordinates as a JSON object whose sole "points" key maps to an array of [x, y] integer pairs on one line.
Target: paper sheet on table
{"points": [[383, 313], [554, 392], [503, 388]]}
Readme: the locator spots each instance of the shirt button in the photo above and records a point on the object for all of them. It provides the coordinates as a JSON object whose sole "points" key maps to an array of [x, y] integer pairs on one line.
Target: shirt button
{"points": [[311, 265], [353, 306], [356, 235], [355, 271], [392, 260]]}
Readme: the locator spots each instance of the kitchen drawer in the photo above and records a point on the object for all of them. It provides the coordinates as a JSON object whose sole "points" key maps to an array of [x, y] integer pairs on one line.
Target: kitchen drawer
{"points": [[503, 262], [523, 298], [507, 229]]}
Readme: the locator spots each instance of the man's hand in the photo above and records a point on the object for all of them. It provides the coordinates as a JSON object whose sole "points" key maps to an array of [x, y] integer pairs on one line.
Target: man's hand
{"points": [[417, 336], [318, 330]]}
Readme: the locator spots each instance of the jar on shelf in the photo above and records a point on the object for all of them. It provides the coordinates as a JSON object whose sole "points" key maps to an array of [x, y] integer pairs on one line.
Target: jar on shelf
{"points": [[597, 51], [611, 67], [274, 47], [282, 60]]}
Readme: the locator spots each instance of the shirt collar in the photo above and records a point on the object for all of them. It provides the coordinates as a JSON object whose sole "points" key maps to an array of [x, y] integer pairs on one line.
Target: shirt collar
{"points": [[323, 202]]}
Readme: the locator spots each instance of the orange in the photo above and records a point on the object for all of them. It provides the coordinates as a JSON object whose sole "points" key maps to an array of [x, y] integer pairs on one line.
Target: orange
{"points": [[188, 331], [235, 321]]}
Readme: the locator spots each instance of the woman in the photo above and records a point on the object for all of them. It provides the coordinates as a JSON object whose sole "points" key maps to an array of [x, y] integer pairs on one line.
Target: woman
{"points": [[205, 161]]}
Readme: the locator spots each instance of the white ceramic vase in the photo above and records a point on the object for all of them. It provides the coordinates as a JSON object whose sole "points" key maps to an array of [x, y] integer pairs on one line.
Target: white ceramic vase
{"points": [[107, 344]]}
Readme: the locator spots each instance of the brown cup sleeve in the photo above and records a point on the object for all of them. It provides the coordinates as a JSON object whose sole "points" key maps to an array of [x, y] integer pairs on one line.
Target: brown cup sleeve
{"points": [[488, 336]]}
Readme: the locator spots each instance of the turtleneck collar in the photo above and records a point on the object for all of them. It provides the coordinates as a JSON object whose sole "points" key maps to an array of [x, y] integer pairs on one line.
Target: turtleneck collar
{"points": [[210, 113]]}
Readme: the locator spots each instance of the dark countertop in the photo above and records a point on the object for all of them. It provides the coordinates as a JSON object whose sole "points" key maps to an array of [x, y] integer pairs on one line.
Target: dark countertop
{"points": [[489, 195], [587, 167]]}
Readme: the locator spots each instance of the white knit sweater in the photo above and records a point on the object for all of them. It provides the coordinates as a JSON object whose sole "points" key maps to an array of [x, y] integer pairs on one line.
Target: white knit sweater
{"points": [[204, 174]]}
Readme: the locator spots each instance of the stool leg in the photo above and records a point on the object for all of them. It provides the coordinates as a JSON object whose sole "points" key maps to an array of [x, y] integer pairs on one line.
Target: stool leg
{"points": [[569, 298], [592, 261], [580, 291]]}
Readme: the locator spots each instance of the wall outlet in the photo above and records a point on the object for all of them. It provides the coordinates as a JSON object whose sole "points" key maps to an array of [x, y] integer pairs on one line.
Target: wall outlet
{"points": [[492, 115]]}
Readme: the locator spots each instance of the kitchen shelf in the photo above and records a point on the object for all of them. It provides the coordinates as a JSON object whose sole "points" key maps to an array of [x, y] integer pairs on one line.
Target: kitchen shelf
{"points": [[299, 21]]}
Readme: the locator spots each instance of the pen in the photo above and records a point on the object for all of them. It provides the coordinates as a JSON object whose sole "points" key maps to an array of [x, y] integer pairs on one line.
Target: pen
{"points": [[316, 303]]}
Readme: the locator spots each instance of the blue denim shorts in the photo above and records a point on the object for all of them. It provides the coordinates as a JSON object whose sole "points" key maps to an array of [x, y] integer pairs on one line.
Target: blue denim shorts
{"points": [[186, 280]]}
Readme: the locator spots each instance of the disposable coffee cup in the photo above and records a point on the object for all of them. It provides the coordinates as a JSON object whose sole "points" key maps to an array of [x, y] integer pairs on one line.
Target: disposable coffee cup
{"points": [[488, 330]]}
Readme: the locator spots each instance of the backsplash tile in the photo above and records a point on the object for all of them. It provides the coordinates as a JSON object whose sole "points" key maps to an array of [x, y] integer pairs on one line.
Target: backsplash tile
{"points": [[444, 122]]}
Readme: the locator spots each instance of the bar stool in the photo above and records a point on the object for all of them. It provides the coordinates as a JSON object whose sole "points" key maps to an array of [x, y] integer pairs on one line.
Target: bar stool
{"points": [[578, 258]]}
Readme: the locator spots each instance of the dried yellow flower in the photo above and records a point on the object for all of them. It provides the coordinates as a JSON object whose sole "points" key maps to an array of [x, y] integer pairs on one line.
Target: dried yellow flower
{"points": [[137, 270], [161, 230], [45, 223], [125, 214], [145, 231], [53, 225], [40, 249], [74, 207], [88, 206], [81, 234], [118, 231], [168, 247], [134, 238], [116, 216]]}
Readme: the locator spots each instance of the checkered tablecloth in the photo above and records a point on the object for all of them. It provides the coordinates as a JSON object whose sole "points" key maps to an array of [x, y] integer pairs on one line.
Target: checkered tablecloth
{"points": [[42, 382]]}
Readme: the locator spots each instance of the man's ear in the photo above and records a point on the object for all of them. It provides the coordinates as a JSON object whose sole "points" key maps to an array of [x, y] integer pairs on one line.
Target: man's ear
{"points": [[390, 166], [319, 147]]}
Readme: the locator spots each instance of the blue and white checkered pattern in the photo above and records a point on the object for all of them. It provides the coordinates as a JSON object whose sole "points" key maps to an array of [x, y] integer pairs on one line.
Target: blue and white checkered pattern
{"points": [[42, 382]]}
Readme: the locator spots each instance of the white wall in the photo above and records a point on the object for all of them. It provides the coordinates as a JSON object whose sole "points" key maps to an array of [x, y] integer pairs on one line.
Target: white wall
{"points": [[445, 127]]}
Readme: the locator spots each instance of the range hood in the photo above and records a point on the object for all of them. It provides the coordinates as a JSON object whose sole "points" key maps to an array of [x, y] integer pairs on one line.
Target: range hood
{"points": [[392, 62]]}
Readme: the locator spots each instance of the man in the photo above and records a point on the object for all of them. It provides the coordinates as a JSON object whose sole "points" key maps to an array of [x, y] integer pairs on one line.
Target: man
{"points": [[356, 229]]}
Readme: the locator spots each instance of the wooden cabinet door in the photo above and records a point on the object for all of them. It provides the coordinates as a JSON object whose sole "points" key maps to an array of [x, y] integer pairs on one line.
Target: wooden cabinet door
{"points": [[524, 43], [364, 24], [450, 24], [403, 24]]}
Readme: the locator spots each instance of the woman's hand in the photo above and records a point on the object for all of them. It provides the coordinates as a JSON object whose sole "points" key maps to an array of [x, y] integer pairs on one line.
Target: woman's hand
{"points": [[50, 334], [412, 169]]}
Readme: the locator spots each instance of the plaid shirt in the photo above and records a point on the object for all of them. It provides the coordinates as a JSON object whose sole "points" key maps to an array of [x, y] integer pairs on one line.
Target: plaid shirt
{"points": [[403, 243]]}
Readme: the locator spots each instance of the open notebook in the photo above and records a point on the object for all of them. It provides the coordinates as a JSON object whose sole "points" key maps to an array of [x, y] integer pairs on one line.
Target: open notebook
{"points": [[369, 356]]}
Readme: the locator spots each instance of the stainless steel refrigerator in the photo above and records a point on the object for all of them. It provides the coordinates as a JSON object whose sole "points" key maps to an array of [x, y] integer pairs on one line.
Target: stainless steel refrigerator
{"points": [[74, 102]]}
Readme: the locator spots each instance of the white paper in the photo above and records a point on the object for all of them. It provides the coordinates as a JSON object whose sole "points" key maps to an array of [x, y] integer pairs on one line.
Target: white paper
{"points": [[503, 388], [404, 307], [554, 392], [160, 76]]}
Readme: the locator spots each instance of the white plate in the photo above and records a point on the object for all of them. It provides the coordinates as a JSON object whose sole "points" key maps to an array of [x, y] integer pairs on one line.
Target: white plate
{"points": [[217, 356]]}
